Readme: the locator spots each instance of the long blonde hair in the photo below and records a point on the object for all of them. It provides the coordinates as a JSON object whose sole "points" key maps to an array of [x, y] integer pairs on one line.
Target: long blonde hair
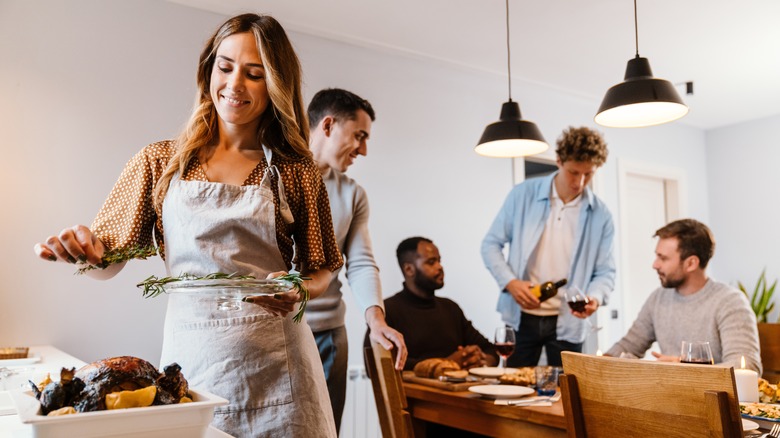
{"points": [[283, 125]]}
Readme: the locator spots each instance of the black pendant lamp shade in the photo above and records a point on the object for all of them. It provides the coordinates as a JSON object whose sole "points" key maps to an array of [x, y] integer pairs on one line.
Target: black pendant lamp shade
{"points": [[511, 136], [640, 100]]}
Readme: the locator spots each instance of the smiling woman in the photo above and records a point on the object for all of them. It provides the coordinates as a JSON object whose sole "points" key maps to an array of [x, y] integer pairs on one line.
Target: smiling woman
{"points": [[237, 191]]}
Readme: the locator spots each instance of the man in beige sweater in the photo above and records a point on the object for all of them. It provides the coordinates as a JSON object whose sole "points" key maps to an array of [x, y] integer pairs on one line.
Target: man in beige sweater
{"points": [[690, 306], [340, 125]]}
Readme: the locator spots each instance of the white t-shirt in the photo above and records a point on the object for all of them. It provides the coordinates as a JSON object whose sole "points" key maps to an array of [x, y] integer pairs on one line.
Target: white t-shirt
{"points": [[551, 260]]}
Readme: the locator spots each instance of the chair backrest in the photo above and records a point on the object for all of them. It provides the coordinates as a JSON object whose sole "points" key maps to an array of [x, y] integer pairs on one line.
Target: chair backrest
{"points": [[769, 336], [611, 397], [394, 419]]}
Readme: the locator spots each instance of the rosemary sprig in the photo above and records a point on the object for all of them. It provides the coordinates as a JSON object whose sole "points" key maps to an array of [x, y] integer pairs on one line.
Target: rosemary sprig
{"points": [[118, 255], [297, 281], [154, 286]]}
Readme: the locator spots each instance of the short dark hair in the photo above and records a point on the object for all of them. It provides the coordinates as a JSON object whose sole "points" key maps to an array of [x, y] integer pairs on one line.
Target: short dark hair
{"points": [[337, 103], [693, 238], [407, 250], [582, 144]]}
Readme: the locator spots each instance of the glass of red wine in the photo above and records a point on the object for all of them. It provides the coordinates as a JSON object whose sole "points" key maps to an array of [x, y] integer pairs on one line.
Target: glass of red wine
{"points": [[505, 343], [696, 352], [577, 302]]}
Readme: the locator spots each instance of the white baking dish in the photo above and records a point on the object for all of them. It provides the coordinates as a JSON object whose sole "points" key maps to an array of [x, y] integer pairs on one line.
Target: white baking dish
{"points": [[169, 421]]}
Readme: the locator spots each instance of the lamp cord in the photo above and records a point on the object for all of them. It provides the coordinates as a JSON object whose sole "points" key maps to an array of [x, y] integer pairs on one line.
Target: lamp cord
{"points": [[508, 63], [636, 31]]}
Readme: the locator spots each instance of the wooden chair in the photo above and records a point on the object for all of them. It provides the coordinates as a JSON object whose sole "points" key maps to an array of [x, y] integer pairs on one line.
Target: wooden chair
{"points": [[769, 337], [611, 397], [394, 419]]}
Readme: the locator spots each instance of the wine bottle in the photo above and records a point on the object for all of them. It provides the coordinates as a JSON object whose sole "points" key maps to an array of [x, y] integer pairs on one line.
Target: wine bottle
{"points": [[548, 289]]}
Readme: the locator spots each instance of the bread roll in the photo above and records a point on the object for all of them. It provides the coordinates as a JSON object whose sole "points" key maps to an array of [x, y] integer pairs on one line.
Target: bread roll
{"points": [[434, 367]]}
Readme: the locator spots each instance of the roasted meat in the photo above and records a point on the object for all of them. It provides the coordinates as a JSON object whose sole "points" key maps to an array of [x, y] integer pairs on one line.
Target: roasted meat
{"points": [[87, 389], [56, 395]]}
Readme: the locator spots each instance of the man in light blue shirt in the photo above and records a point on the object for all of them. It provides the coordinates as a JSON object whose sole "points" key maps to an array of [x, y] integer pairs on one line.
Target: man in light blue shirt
{"points": [[556, 228]]}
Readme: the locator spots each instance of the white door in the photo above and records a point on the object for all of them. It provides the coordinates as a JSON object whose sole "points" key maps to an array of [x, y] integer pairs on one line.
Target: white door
{"points": [[650, 198]]}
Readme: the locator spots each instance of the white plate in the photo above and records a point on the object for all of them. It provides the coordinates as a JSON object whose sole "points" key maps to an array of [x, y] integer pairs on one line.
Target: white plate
{"points": [[502, 391], [492, 371], [748, 425], [22, 361]]}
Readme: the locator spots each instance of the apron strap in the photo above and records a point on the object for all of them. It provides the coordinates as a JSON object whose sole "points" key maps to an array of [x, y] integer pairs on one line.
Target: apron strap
{"points": [[271, 170]]}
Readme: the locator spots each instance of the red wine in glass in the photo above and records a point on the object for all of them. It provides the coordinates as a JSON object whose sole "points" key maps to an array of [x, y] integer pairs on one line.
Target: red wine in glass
{"points": [[577, 301], [697, 352], [504, 340], [578, 305], [505, 349]]}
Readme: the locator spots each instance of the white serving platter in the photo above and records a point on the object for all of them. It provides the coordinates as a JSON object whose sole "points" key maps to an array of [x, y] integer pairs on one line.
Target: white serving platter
{"points": [[169, 421]]}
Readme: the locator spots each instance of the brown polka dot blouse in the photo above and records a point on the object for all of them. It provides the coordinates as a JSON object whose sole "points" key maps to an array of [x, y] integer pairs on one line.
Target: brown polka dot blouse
{"points": [[128, 218]]}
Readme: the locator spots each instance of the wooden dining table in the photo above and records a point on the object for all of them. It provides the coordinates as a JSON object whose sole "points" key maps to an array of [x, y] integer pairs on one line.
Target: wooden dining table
{"points": [[469, 411]]}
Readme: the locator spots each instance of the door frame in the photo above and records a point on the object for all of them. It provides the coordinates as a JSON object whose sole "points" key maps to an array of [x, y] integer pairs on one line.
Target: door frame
{"points": [[627, 167]]}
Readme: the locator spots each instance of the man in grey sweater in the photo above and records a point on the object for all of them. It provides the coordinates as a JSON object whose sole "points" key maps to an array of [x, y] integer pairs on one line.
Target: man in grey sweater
{"points": [[340, 125], [689, 306]]}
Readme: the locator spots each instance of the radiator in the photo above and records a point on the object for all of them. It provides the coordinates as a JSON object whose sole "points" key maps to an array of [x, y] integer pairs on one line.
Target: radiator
{"points": [[360, 418]]}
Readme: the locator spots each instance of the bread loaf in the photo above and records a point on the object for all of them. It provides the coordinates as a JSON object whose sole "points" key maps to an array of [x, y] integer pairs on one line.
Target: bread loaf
{"points": [[434, 367]]}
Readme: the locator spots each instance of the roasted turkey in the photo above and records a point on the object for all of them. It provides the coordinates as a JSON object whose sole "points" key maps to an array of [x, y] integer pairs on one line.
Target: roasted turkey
{"points": [[86, 389]]}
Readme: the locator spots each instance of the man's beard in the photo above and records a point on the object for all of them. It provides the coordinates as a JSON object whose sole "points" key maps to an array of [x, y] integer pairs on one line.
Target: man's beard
{"points": [[427, 284], [672, 283]]}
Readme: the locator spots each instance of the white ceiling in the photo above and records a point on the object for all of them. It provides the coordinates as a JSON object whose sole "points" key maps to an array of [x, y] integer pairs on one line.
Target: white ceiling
{"points": [[730, 49]]}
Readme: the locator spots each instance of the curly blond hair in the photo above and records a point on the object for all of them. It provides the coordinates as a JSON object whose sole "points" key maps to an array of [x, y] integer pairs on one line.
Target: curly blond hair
{"points": [[582, 144]]}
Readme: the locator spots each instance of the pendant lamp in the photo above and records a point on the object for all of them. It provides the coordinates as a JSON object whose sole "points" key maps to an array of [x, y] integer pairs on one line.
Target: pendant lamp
{"points": [[510, 136], [640, 100]]}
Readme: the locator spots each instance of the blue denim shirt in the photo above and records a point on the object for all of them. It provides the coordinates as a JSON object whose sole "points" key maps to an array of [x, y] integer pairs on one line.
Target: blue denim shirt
{"points": [[520, 224]]}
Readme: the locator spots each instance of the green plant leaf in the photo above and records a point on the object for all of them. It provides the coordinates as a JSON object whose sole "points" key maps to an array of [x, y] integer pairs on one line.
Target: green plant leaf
{"points": [[761, 298]]}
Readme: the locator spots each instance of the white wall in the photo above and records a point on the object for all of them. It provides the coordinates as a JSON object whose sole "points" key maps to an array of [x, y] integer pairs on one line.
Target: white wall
{"points": [[743, 179], [86, 84]]}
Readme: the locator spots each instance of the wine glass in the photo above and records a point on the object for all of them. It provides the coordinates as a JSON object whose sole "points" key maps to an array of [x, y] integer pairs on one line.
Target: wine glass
{"points": [[698, 352], [577, 302], [505, 343]]}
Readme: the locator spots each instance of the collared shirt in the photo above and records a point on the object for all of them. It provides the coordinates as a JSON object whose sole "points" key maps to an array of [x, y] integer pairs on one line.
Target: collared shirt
{"points": [[520, 224], [551, 260]]}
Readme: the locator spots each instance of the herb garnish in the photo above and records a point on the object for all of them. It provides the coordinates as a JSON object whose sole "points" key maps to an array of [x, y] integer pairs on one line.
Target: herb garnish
{"points": [[118, 255], [154, 286]]}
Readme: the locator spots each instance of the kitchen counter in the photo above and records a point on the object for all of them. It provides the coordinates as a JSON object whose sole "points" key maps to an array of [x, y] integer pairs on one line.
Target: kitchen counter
{"points": [[42, 359]]}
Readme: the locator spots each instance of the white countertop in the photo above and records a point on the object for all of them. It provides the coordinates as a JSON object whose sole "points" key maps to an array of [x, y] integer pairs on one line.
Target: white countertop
{"points": [[44, 359]]}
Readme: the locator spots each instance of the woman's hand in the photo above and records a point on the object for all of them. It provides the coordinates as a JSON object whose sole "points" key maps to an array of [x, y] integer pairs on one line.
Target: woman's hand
{"points": [[73, 244], [279, 304]]}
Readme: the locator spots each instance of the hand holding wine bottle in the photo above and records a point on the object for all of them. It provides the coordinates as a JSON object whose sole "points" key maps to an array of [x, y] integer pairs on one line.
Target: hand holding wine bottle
{"points": [[529, 295], [548, 289]]}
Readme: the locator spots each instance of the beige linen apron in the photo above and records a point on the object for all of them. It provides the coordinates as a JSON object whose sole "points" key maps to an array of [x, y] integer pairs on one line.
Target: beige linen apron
{"points": [[267, 366]]}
